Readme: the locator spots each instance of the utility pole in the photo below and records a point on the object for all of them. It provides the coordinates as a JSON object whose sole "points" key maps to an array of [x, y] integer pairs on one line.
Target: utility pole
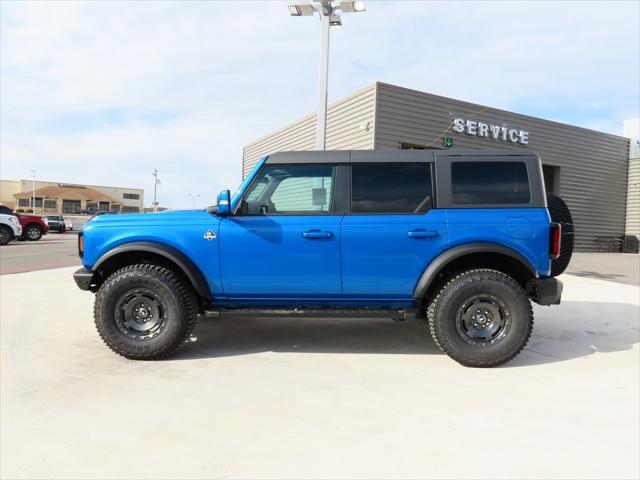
{"points": [[321, 130], [33, 190], [194, 198], [155, 190]]}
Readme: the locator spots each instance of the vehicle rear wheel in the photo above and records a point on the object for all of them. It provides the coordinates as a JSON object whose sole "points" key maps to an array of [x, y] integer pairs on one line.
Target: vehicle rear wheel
{"points": [[145, 312], [481, 318], [561, 214], [33, 233], [6, 235]]}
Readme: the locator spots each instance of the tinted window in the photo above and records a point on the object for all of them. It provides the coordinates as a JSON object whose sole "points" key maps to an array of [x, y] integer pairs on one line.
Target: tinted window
{"points": [[391, 188], [290, 189], [490, 182]]}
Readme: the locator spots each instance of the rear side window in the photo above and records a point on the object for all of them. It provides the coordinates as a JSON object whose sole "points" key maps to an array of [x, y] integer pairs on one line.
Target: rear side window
{"points": [[490, 183], [391, 188]]}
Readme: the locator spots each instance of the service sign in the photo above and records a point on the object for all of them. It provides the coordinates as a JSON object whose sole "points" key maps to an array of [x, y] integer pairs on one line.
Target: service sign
{"points": [[487, 130]]}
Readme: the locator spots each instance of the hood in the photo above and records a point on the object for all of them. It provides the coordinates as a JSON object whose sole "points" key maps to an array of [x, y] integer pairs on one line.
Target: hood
{"points": [[166, 218]]}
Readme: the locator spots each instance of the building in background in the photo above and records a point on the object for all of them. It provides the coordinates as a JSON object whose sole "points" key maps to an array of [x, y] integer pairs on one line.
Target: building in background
{"points": [[63, 198], [632, 131], [8, 188], [587, 168]]}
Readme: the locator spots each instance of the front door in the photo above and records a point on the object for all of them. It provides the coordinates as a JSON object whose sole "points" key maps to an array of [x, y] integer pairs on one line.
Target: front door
{"points": [[284, 240], [392, 233]]}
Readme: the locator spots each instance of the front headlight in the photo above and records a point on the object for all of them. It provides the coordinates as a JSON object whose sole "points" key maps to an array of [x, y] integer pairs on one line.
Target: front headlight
{"points": [[46, 221], [14, 220]]}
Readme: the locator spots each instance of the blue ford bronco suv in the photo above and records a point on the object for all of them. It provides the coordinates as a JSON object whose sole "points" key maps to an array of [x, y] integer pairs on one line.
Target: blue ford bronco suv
{"points": [[463, 239]]}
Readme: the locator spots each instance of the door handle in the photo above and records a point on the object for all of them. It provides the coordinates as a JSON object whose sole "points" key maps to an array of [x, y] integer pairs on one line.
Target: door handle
{"points": [[419, 233], [317, 234]]}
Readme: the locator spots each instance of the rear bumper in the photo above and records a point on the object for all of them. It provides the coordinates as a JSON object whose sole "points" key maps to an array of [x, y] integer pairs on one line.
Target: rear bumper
{"points": [[545, 291], [83, 278]]}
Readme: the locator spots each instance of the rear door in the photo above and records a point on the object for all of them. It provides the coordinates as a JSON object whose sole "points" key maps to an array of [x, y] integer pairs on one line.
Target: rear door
{"points": [[393, 232], [284, 241]]}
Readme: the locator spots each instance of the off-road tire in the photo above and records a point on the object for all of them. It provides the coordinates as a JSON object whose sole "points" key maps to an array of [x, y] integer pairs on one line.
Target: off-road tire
{"points": [[561, 214], [33, 233], [6, 235], [172, 291], [443, 315]]}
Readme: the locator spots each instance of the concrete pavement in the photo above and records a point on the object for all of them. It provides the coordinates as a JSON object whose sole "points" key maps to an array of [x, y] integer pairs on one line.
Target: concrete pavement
{"points": [[344, 398], [615, 267]]}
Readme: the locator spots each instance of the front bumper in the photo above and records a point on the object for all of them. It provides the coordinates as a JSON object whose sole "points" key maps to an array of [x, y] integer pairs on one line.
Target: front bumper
{"points": [[83, 278], [545, 291]]}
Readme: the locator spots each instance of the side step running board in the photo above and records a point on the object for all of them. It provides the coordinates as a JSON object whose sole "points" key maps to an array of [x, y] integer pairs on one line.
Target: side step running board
{"points": [[392, 313]]}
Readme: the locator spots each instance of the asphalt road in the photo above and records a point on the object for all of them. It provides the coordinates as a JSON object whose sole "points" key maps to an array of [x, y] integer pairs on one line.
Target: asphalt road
{"points": [[313, 398], [53, 250]]}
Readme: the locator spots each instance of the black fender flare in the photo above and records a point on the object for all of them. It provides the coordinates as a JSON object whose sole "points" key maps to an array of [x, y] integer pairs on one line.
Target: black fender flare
{"points": [[192, 272], [442, 260]]}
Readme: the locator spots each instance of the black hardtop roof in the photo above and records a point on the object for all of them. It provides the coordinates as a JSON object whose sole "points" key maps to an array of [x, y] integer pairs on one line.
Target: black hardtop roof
{"points": [[369, 156]]}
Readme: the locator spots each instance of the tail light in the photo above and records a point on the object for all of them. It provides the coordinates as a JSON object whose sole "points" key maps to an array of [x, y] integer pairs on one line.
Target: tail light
{"points": [[555, 240]]}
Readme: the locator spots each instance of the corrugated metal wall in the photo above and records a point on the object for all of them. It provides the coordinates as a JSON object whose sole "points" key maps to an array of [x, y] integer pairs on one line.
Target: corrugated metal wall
{"points": [[349, 127], [633, 198], [593, 165]]}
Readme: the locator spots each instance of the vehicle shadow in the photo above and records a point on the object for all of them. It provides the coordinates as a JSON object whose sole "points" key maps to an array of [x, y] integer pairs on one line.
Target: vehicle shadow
{"points": [[569, 331]]}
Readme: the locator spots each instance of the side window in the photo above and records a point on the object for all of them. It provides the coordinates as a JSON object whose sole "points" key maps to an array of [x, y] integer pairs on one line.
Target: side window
{"points": [[391, 188], [490, 183], [290, 190]]}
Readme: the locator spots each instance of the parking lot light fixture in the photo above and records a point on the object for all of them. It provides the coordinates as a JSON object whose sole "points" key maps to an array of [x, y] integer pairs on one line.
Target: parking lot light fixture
{"points": [[301, 9], [353, 6], [329, 12]]}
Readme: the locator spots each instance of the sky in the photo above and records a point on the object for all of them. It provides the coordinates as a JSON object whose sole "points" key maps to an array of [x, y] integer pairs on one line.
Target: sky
{"points": [[103, 92]]}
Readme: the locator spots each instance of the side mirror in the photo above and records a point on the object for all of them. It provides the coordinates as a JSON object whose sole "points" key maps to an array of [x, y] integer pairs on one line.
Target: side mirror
{"points": [[223, 203]]}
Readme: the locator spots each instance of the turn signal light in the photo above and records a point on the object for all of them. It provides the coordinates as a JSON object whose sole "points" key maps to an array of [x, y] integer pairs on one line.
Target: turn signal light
{"points": [[555, 240], [80, 244]]}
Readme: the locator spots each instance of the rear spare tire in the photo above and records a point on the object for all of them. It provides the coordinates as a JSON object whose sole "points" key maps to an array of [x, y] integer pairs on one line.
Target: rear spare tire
{"points": [[561, 214]]}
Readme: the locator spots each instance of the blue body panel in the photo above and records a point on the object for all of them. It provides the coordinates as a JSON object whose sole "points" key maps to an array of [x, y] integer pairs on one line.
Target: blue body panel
{"points": [[281, 256], [525, 230], [182, 230], [384, 255]]}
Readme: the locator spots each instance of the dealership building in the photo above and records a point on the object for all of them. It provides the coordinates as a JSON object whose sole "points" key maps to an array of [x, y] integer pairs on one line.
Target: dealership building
{"points": [[596, 173], [65, 198]]}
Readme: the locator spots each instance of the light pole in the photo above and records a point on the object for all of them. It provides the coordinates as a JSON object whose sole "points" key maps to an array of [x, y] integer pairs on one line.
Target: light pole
{"points": [[194, 198], [329, 11], [33, 190], [156, 182]]}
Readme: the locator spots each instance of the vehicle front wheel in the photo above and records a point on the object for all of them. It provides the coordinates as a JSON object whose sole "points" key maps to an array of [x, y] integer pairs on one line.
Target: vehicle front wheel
{"points": [[6, 235], [33, 233], [481, 318], [145, 312]]}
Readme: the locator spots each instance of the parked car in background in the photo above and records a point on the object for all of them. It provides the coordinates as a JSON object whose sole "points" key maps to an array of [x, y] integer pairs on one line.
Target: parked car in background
{"points": [[57, 223], [10, 228], [33, 226]]}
